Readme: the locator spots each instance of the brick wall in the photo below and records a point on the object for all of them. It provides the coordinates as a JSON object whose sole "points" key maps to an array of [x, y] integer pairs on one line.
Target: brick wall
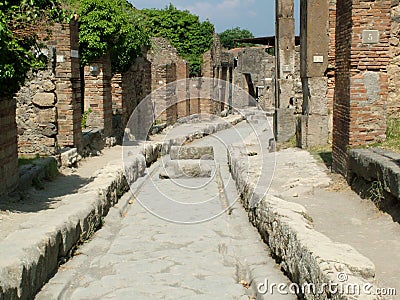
{"points": [[49, 104], [361, 77], [393, 103], [98, 94], [8, 146]]}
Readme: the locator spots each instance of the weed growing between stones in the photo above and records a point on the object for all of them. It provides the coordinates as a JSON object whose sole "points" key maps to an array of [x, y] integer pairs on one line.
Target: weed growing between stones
{"points": [[85, 115], [371, 190]]}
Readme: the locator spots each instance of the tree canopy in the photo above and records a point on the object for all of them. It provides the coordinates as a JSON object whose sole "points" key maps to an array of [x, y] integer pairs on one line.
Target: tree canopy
{"points": [[112, 26], [185, 31], [20, 22], [229, 36]]}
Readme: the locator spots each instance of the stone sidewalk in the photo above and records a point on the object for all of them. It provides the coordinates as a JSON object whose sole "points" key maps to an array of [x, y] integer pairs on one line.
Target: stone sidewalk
{"points": [[331, 229], [41, 230]]}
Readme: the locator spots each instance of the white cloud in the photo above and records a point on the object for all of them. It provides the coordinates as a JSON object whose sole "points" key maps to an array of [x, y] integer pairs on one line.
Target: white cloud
{"points": [[228, 4]]}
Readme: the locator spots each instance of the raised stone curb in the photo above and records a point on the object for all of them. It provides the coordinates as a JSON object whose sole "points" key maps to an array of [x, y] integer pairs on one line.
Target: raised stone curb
{"points": [[377, 164], [41, 168], [31, 255], [306, 255]]}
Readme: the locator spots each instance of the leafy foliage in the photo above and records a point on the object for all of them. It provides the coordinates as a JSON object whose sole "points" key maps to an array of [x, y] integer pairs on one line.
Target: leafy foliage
{"points": [[229, 36], [20, 21], [110, 26], [184, 31]]}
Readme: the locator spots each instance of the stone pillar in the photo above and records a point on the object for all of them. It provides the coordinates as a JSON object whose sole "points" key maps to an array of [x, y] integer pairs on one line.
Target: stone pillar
{"points": [[313, 124], [98, 94], [362, 57], [8, 146], [285, 60], [224, 97]]}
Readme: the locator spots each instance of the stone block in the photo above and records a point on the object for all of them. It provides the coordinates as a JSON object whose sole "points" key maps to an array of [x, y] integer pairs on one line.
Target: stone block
{"points": [[377, 165], [206, 152], [48, 86], [45, 116], [44, 99], [312, 130], [187, 169], [69, 157], [285, 124]]}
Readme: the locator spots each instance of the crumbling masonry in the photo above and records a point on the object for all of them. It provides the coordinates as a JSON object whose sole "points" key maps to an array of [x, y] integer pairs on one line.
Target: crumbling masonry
{"points": [[349, 66]]}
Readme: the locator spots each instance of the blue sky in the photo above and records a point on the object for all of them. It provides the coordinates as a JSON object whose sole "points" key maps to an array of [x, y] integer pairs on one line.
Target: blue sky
{"points": [[256, 15]]}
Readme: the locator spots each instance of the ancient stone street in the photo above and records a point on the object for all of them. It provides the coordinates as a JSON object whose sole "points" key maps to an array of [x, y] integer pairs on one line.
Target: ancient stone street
{"points": [[141, 256]]}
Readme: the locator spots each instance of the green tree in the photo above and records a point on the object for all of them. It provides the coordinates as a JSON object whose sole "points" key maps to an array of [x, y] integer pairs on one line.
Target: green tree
{"points": [[184, 31], [20, 22], [112, 26], [229, 36]]}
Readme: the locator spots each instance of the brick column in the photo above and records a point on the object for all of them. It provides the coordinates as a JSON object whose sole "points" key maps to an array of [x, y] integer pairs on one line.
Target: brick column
{"points": [[331, 63], [284, 120], [314, 34], [194, 92], [171, 97], [182, 89], [68, 85], [8, 146], [98, 94], [361, 76]]}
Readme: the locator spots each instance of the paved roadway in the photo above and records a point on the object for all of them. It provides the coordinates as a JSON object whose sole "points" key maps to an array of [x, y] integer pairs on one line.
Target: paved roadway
{"points": [[143, 256]]}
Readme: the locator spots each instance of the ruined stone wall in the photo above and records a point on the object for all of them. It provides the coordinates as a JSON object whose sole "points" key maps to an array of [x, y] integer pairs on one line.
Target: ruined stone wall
{"points": [[49, 104], [128, 90], [253, 74], [393, 103], [8, 146], [361, 77], [37, 115]]}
